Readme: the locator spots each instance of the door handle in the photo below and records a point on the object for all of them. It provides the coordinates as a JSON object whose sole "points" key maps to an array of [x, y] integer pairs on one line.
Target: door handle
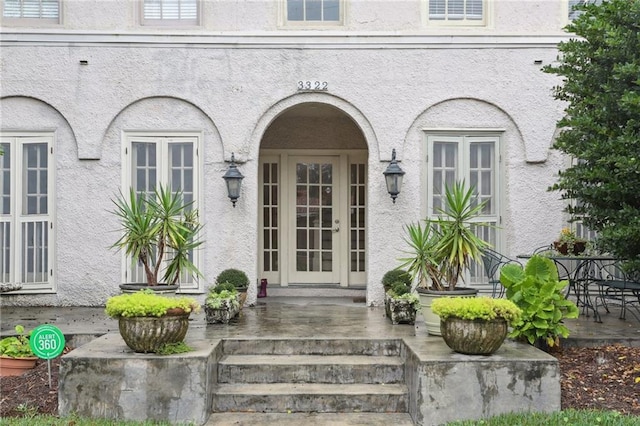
{"points": [[336, 229]]}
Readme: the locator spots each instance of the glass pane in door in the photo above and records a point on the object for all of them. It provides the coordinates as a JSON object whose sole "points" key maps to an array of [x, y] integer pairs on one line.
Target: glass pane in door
{"points": [[314, 217]]}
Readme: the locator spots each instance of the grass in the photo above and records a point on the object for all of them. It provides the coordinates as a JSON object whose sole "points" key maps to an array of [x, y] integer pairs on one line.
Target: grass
{"points": [[566, 417]]}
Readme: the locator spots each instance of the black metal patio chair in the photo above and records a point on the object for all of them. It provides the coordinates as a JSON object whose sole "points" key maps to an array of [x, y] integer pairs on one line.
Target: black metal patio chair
{"points": [[493, 262], [617, 287]]}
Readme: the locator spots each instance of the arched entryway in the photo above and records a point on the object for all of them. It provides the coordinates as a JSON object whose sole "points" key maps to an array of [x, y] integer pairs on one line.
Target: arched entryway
{"points": [[312, 198]]}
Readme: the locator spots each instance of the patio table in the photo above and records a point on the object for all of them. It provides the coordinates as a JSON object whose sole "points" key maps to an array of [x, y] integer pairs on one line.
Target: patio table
{"points": [[580, 271]]}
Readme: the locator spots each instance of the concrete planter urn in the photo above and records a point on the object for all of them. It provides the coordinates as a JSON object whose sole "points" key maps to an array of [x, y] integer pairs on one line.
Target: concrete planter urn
{"points": [[474, 337], [400, 311], [148, 334], [228, 310]]}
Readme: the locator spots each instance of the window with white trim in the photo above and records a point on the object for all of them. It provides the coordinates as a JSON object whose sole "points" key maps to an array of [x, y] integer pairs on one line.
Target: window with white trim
{"points": [[473, 159], [457, 12], [170, 160], [27, 215], [43, 10], [170, 12], [314, 11]]}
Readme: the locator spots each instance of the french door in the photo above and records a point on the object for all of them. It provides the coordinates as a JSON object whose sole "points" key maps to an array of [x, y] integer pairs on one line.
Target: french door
{"points": [[314, 219]]}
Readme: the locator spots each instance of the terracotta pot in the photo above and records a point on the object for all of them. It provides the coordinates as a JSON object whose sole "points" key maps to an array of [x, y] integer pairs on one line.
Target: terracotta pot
{"points": [[148, 334], [16, 366], [474, 337], [563, 248]]}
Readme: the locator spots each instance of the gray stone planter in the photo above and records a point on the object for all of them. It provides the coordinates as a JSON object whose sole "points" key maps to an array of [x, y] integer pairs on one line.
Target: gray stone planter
{"points": [[225, 313], [399, 311], [474, 337], [148, 334]]}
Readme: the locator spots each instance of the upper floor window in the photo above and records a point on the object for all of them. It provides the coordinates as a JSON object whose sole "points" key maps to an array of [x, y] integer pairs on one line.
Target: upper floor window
{"points": [[314, 11], [457, 12], [170, 12], [48, 10]]}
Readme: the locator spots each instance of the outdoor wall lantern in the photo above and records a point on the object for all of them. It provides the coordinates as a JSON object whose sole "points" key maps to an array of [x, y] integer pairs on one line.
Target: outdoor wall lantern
{"points": [[393, 176], [233, 179]]}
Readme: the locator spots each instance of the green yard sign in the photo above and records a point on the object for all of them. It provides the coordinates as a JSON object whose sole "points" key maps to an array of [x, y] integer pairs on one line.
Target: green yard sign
{"points": [[46, 341]]}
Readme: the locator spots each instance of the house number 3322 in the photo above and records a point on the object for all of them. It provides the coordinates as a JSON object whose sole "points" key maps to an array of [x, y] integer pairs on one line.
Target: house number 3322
{"points": [[313, 85]]}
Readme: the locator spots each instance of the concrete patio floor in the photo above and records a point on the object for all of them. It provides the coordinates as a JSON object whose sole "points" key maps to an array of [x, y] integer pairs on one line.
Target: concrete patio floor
{"points": [[297, 317]]}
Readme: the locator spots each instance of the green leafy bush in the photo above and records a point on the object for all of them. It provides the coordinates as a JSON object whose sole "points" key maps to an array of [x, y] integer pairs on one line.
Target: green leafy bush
{"points": [[393, 276], [224, 293], [472, 308], [145, 303], [16, 346], [538, 292], [399, 288], [234, 276]]}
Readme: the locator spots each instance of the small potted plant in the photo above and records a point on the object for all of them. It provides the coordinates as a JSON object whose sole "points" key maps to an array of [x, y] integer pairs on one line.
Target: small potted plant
{"points": [[537, 290], [569, 242], [160, 231], [239, 280], [148, 321], [401, 304], [16, 355], [475, 325], [222, 303]]}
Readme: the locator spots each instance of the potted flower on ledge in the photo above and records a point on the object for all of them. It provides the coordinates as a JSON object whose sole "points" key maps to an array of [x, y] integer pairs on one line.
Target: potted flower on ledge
{"points": [[222, 303], [475, 325], [569, 243], [160, 232], [401, 304], [442, 250]]}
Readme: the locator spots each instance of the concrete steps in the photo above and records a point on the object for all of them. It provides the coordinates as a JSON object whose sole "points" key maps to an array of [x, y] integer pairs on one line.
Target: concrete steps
{"points": [[312, 376], [315, 419]]}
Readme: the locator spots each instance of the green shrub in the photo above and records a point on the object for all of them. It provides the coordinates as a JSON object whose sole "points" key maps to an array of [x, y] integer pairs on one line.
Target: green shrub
{"points": [[394, 276], [399, 288], [16, 346], [234, 276], [145, 303], [224, 286], [471, 308], [538, 292], [216, 299]]}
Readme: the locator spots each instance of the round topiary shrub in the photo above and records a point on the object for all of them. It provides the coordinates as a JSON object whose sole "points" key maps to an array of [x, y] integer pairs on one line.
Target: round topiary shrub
{"points": [[234, 276], [394, 276]]}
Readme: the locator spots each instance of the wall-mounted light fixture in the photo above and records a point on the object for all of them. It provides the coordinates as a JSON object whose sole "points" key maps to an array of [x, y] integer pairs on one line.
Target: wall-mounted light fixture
{"points": [[233, 179], [393, 177]]}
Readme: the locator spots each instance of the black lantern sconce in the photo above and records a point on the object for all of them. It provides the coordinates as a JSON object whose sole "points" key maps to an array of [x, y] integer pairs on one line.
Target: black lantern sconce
{"points": [[393, 177], [233, 179]]}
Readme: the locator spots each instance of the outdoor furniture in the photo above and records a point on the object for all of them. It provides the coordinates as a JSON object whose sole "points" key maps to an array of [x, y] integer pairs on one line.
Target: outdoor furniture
{"points": [[493, 262], [581, 271], [616, 286]]}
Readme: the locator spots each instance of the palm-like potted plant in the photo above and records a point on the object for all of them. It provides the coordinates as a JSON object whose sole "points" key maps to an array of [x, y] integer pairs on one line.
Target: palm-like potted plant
{"points": [[160, 231], [441, 250]]}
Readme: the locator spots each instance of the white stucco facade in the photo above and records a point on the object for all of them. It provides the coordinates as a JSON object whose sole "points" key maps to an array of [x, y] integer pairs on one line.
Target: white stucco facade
{"points": [[99, 74]]}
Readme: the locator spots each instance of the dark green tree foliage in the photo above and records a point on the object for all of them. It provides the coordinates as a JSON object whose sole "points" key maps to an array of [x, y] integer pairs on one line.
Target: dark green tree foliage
{"points": [[601, 85]]}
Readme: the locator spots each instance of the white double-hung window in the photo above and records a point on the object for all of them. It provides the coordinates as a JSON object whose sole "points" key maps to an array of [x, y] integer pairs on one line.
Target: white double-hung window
{"points": [[26, 220], [171, 12], [314, 11], [170, 160], [457, 12], [474, 159], [42, 10]]}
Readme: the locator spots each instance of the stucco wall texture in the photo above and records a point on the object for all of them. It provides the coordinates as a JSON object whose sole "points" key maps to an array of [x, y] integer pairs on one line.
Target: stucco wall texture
{"points": [[231, 90]]}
